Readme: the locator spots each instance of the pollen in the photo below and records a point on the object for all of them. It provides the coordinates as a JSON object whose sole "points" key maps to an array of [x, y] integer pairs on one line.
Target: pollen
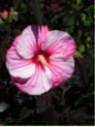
{"points": [[42, 60]]}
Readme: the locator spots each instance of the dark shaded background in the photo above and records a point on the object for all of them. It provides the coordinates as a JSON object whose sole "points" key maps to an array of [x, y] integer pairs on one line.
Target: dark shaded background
{"points": [[72, 103]]}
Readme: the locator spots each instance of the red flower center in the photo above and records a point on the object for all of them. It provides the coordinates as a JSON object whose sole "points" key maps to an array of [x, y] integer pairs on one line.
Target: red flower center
{"points": [[41, 58]]}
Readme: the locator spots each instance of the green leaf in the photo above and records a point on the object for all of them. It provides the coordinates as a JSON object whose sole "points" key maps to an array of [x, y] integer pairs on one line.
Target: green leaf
{"points": [[83, 17], [1, 21], [77, 54], [89, 38], [10, 19], [85, 20], [82, 48], [23, 7], [15, 14], [78, 1]]}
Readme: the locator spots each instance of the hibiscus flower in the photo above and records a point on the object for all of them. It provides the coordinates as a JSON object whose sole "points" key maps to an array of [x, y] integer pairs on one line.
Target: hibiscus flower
{"points": [[5, 9], [40, 59], [4, 14]]}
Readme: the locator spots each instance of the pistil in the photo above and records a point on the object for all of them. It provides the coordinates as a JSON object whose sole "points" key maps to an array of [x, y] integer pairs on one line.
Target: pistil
{"points": [[42, 60]]}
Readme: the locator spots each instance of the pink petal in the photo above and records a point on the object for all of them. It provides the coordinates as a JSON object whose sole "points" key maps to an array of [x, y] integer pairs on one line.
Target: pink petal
{"points": [[61, 69], [37, 84], [31, 40], [59, 42], [17, 66]]}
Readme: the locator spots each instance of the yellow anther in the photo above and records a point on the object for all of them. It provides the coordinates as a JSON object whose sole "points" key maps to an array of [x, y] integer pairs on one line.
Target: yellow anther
{"points": [[42, 60]]}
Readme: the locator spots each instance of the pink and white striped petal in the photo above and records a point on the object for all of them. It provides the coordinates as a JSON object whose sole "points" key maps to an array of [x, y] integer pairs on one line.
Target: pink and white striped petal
{"points": [[59, 42], [61, 69], [31, 40], [17, 66], [37, 84]]}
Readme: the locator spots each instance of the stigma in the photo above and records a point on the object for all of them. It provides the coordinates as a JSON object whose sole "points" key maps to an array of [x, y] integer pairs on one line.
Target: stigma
{"points": [[42, 60]]}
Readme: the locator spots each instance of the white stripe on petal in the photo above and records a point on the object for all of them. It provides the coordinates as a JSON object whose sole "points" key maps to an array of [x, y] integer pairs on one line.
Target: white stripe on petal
{"points": [[37, 84], [31, 40], [59, 42], [17, 66], [61, 69]]}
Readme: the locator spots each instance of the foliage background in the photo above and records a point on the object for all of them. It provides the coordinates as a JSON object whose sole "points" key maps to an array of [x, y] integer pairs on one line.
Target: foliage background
{"points": [[72, 103]]}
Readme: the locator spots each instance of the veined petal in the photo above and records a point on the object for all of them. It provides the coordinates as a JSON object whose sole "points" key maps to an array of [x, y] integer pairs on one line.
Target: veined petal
{"points": [[61, 69], [37, 84], [59, 42], [17, 66], [31, 40]]}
